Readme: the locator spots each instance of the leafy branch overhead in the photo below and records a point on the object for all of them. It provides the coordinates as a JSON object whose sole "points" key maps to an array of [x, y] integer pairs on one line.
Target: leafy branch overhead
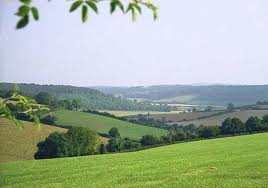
{"points": [[27, 10], [17, 104]]}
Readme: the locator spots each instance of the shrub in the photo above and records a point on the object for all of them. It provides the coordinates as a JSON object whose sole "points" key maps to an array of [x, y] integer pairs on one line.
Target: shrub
{"points": [[54, 146], [114, 132], [148, 140], [49, 119], [82, 141]]}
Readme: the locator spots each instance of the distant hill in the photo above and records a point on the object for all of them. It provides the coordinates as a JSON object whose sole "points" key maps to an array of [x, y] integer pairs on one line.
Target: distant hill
{"points": [[90, 98], [189, 94], [103, 124]]}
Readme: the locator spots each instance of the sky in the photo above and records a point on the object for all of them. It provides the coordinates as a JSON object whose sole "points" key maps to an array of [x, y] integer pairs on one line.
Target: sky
{"points": [[193, 41]]}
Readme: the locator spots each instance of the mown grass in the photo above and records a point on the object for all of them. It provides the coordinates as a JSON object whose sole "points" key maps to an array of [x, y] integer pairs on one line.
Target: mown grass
{"points": [[218, 119], [240, 161], [103, 124]]}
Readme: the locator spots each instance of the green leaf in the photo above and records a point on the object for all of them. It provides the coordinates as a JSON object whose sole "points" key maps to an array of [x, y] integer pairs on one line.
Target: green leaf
{"points": [[26, 2], [35, 13], [134, 15], [92, 5], [137, 7], [112, 6], [23, 11], [75, 5], [84, 13], [23, 22]]}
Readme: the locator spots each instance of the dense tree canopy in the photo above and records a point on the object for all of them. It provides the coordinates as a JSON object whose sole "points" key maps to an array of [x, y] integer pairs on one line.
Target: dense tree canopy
{"points": [[27, 9]]}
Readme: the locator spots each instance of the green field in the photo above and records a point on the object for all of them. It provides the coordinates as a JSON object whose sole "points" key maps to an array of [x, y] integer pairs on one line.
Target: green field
{"points": [[226, 162], [217, 120], [103, 124], [133, 113]]}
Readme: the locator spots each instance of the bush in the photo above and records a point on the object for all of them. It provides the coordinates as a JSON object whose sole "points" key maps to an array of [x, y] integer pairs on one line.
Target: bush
{"points": [[49, 120], [148, 140], [115, 145], [54, 146], [76, 142], [114, 132], [82, 141], [208, 131]]}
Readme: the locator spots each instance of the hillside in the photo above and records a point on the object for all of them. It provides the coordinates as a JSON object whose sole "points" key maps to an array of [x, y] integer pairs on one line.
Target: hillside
{"points": [[240, 162], [18, 143], [190, 94], [218, 119], [103, 124], [90, 98]]}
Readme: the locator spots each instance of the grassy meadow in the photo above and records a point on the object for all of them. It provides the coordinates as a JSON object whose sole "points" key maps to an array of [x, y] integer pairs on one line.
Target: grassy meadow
{"points": [[218, 119], [103, 124], [240, 161]]}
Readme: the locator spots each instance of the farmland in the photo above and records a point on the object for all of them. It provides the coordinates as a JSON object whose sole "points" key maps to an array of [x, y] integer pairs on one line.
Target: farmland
{"points": [[19, 143], [218, 119], [23, 140], [103, 124], [226, 162], [182, 116], [133, 113]]}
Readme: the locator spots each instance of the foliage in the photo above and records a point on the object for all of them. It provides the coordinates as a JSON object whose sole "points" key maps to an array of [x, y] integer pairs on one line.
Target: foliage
{"points": [[208, 131], [19, 105], [253, 124], [76, 142], [232, 126], [114, 132], [115, 145], [148, 140], [49, 120], [134, 6], [82, 141], [43, 98], [90, 98], [54, 146]]}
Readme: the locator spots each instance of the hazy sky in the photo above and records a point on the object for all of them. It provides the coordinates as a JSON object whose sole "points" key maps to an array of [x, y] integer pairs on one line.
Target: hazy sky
{"points": [[194, 41]]}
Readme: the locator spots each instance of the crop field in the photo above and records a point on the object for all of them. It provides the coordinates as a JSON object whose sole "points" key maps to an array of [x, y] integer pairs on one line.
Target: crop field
{"points": [[174, 117], [134, 113], [240, 162], [19, 143], [217, 120], [103, 124]]}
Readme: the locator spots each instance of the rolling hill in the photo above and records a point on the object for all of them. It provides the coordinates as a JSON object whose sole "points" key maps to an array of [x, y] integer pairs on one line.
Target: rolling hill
{"points": [[18, 143], [240, 162], [103, 124], [90, 98], [194, 94]]}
